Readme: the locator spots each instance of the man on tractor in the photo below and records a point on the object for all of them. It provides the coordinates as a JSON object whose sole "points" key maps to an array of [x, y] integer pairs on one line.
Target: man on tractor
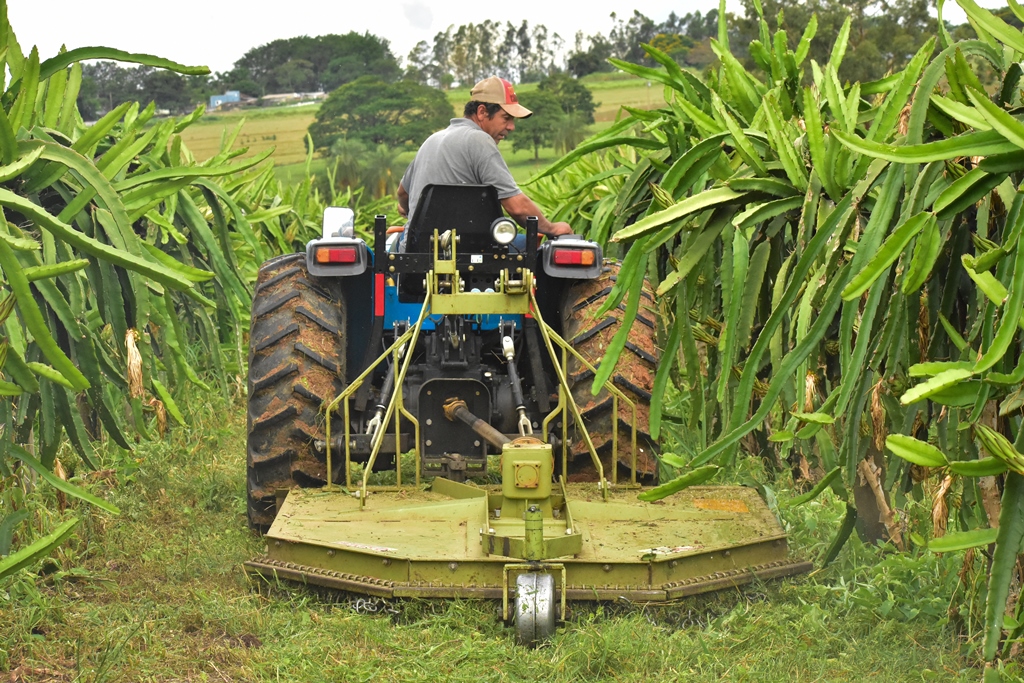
{"points": [[466, 152]]}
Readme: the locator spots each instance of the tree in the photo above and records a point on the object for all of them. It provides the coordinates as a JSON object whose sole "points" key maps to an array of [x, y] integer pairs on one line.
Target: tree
{"points": [[677, 36], [593, 59], [167, 89], [306, 64], [675, 45], [295, 75], [538, 130], [573, 96], [107, 84], [358, 55], [626, 37], [418, 64], [376, 112], [349, 157], [562, 108], [381, 172], [570, 129], [470, 52]]}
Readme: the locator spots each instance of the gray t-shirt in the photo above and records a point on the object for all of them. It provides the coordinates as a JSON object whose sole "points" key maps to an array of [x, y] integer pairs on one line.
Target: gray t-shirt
{"points": [[461, 154]]}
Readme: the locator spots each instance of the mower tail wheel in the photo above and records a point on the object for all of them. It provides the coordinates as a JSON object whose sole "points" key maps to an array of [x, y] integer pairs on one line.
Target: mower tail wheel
{"points": [[534, 608], [634, 373], [296, 363]]}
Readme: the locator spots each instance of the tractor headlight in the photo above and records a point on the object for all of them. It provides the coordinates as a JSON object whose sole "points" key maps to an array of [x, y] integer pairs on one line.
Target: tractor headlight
{"points": [[503, 231]]}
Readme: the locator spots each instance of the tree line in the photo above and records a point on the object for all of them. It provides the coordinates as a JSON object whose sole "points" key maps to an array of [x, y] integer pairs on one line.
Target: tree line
{"points": [[885, 34], [300, 64]]}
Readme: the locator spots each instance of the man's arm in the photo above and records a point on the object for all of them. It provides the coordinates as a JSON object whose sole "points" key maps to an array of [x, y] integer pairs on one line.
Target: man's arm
{"points": [[520, 207], [403, 201]]}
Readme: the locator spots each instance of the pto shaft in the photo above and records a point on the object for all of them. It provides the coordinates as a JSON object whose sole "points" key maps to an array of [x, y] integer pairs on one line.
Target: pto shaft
{"points": [[455, 408]]}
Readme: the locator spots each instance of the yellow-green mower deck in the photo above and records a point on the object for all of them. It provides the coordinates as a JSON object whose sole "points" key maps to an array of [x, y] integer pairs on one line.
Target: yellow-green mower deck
{"points": [[448, 541]]}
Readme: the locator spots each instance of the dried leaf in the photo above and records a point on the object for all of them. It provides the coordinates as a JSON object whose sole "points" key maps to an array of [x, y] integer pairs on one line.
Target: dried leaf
{"points": [[940, 508], [135, 387]]}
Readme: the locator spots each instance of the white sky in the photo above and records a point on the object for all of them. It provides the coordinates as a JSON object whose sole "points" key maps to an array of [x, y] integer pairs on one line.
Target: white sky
{"points": [[215, 33]]}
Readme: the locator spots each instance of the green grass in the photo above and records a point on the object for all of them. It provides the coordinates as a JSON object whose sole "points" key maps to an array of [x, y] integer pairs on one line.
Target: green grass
{"points": [[158, 594], [293, 174]]}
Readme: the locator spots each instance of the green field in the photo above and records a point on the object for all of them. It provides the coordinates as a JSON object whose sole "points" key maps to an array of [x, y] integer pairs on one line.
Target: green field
{"points": [[158, 594], [284, 128], [281, 128]]}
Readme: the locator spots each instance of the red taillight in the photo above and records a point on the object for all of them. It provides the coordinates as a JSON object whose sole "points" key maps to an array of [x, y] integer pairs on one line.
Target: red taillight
{"points": [[336, 255], [573, 257]]}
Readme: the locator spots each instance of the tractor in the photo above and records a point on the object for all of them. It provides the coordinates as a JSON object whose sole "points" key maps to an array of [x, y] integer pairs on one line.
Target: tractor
{"points": [[467, 351]]}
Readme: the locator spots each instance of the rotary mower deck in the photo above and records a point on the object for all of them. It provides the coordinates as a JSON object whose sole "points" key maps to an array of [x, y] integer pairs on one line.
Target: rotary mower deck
{"points": [[451, 540]]}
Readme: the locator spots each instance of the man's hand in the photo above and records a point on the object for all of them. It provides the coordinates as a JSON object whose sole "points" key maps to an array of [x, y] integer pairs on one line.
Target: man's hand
{"points": [[557, 229], [521, 207]]}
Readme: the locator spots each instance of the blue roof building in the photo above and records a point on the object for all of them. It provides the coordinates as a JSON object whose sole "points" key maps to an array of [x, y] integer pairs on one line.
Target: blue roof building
{"points": [[229, 96]]}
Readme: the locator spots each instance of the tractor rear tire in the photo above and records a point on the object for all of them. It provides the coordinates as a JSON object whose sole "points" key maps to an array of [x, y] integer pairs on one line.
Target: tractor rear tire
{"points": [[634, 373], [296, 364]]}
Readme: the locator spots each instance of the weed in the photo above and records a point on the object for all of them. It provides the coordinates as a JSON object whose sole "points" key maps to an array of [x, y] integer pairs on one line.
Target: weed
{"points": [[159, 594]]}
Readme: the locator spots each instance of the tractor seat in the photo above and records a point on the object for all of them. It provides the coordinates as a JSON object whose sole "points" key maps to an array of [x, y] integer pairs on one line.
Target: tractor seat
{"points": [[468, 209]]}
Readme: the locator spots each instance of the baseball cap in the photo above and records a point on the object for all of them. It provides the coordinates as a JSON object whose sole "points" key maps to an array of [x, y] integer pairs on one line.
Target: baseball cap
{"points": [[496, 90]]}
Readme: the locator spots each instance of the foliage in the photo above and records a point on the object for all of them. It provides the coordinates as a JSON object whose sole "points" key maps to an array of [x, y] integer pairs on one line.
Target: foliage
{"points": [[573, 96], [300, 64], [678, 36], [106, 84], [538, 130], [127, 273], [305, 64], [883, 35], [349, 157], [562, 108], [376, 112], [472, 52], [843, 262], [138, 596]]}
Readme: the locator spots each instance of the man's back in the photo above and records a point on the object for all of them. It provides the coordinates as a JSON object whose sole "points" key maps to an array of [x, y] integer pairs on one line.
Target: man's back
{"points": [[460, 154], [466, 152]]}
